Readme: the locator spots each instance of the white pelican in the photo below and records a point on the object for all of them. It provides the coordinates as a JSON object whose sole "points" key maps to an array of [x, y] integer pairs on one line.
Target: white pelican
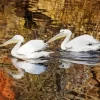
{"points": [[32, 49], [78, 44]]}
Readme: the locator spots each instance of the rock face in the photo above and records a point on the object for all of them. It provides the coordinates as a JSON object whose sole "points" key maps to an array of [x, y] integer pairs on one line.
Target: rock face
{"points": [[79, 16], [42, 19]]}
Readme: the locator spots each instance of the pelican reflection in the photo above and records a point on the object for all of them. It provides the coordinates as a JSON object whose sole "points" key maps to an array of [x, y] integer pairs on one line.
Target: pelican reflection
{"points": [[67, 58], [26, 66]]}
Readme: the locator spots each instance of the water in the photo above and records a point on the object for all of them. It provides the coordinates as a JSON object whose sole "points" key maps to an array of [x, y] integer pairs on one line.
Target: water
{"points": [[37, 66], [55, 77], [63, 76]]}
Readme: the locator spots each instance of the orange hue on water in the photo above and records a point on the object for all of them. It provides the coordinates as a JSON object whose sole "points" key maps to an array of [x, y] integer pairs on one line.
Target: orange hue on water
{"points": [[6, 92]]}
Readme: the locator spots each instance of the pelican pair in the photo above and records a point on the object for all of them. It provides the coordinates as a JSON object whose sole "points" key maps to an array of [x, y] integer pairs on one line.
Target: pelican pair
{"points": [[34, 48]]}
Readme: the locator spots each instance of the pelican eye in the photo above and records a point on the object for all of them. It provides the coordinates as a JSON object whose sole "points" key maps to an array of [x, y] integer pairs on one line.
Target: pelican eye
{"points": [[90, 44]]}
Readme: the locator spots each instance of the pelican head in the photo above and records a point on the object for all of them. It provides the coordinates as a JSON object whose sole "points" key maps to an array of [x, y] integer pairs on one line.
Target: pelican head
{"points": [[15, 39], [18, 38], [62, 33]]}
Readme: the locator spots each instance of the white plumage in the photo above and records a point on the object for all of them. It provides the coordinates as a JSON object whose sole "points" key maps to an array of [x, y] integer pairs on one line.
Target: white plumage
{"points": [[32, 46], [78, 44], [30, 50], [82, 43]]}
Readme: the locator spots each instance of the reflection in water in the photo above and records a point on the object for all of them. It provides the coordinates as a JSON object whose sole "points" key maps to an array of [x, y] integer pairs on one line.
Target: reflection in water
{"points": [[56, 83], [32, 68], [64, 64], [86, 61], [78, 55], [36, 66], [85, 58]]}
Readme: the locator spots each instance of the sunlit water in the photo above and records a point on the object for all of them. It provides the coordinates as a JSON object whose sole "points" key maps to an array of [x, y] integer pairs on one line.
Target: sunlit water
{"points": [[63, 76], [64, 60], [67, 70]]}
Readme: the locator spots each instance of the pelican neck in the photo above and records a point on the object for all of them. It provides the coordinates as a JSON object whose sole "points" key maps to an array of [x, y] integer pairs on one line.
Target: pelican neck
{"points": [[66, 40], [15, 49]]}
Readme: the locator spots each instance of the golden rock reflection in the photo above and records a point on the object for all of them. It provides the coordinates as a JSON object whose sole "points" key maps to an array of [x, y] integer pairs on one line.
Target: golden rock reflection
{"points": [[6, 91], [78, 79], [43, 19]]}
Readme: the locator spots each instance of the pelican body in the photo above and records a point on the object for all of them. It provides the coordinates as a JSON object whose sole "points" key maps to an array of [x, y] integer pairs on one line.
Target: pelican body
{"points": [[81, 43], [31, 49]]}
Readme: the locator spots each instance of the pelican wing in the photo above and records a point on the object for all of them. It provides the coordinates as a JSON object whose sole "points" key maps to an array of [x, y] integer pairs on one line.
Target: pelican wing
{"points": [[82, 43], [82, 40], [32, 46]]}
